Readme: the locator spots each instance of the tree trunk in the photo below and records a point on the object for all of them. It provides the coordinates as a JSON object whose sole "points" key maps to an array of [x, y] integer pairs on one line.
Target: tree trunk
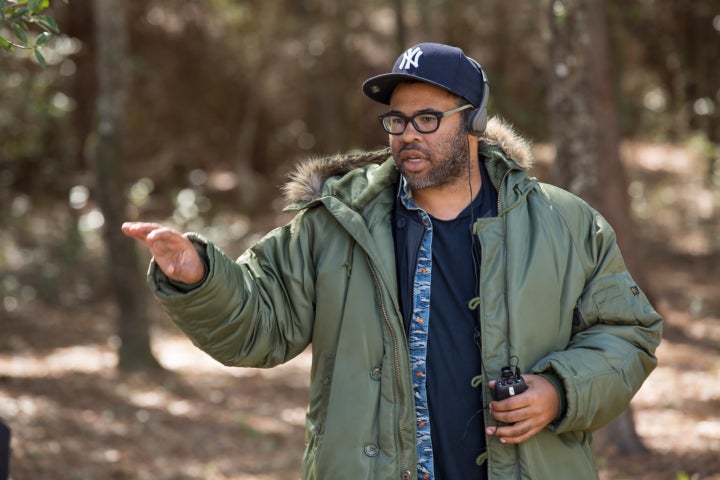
{"points": [[584, 118], [107, 155], [401, 30]]}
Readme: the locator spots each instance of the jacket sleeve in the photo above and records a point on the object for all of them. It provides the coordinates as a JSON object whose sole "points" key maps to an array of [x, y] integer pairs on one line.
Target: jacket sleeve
{"points": [[614, 335], [257, 311]]}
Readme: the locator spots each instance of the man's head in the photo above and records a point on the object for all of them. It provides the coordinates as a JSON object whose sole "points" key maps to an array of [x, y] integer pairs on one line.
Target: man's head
{"points": [[437, 99], [440, 65]]}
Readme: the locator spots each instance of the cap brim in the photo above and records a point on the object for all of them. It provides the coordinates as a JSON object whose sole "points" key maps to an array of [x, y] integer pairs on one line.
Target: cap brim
{"points": [[381, 87]]}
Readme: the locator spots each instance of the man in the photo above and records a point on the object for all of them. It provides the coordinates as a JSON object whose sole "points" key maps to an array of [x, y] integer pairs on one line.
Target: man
{"points": [[419, 278]]}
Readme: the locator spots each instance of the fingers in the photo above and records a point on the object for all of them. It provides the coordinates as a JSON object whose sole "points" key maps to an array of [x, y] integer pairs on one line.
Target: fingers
{"points": [[511, 412], [521, 419], [517, 433], [527, 413], [172, 251], [139, 230], [153, 235]]}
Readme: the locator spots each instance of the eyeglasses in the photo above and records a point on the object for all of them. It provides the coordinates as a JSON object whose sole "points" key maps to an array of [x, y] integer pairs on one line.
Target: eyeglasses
{"points": [[424, 122]]}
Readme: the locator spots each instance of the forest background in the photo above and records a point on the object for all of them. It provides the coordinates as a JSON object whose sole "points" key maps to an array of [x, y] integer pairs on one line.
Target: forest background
{"points": [[191, 113]]}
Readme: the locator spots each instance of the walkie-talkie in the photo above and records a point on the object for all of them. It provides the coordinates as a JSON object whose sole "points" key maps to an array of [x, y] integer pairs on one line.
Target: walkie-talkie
{"points": [[511, 383]]}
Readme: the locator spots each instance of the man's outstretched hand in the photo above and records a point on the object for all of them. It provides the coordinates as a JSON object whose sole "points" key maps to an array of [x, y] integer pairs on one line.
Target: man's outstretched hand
{"points": [[173, 252]]}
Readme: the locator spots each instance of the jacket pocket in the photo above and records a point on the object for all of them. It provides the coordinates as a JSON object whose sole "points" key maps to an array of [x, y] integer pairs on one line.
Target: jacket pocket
{"points": [[320, 397], [612, 301]]}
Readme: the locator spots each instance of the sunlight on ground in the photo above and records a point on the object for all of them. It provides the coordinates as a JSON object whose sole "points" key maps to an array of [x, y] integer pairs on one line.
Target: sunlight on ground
{"points": [[137, 426], [656, 157], [84, 359], [173, 352], [685, 380], [178, 353]]}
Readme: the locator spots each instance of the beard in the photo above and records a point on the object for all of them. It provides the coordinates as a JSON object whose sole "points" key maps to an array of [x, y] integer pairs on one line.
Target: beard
{"points": [[448, 163]]}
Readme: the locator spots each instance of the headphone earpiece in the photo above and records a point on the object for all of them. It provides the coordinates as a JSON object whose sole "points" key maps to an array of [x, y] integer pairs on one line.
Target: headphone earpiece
{"points": [[477, 119]]}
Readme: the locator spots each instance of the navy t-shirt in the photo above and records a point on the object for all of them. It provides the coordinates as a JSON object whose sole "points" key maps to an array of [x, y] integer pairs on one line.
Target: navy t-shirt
{"points": [[453, 355]]}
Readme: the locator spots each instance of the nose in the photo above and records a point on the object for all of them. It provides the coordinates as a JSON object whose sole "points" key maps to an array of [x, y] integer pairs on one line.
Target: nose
{"points": [[409, 135]]}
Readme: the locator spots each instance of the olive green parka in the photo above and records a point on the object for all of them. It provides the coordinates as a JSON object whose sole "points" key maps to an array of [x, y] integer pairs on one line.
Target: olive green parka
{"points": [[553, 291]]}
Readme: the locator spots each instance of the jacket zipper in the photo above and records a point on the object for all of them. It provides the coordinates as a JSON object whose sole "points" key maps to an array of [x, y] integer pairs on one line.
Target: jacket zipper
{"points": [[502, 183], [396, 357]]}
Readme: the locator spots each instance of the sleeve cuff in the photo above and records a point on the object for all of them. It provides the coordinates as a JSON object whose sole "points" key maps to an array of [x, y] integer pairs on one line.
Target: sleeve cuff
{"points": [[560, 389]]}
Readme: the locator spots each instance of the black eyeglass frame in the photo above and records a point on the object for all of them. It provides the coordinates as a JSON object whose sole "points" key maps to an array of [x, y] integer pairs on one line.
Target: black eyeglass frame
{"points": [[438, 115]]}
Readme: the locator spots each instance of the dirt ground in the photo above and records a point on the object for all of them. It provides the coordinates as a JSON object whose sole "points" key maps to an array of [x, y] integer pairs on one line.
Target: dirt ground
{"points": [[73, 416]]}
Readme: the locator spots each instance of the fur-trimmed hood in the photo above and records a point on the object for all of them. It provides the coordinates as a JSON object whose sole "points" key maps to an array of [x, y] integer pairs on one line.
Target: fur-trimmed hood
{"points": [[306, 182]]}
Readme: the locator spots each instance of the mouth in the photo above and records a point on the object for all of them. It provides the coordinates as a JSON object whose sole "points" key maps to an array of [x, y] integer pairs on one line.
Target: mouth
{"points": [[413, 159]]}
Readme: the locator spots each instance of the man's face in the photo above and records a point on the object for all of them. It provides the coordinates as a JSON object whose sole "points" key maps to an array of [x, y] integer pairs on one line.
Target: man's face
{"points": [[429, 159]]}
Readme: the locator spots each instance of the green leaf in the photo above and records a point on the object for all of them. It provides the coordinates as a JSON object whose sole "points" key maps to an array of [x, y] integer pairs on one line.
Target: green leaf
{"points": [[20, 12], [43, 38], [37, 6], [40, 58], [47, 23], [4, 43], [20, 33]]}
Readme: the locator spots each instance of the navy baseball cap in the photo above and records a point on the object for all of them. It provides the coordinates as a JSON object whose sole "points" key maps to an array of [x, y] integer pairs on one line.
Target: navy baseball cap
{"points": [[440, 65]]}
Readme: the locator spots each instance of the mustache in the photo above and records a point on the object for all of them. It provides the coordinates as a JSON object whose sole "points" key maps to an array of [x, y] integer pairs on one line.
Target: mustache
{"points": [[413, 147]]}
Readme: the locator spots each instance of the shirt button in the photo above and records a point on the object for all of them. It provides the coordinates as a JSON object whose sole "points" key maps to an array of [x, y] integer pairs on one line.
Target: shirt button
{"points": [[401, 222], [375, 373], [371, 450], [406, 475]]}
